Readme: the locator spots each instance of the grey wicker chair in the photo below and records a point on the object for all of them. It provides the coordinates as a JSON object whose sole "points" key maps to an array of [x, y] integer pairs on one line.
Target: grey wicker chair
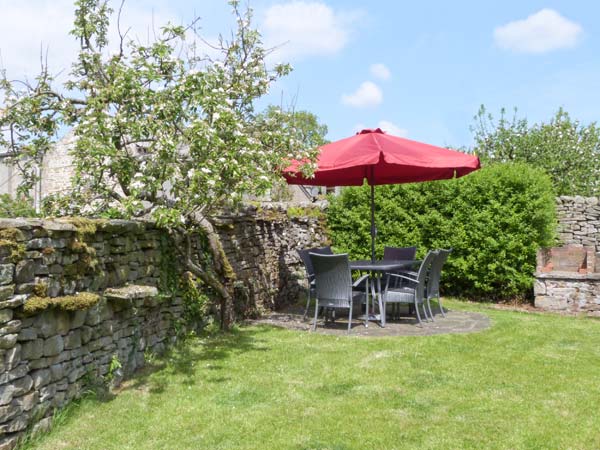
{"points": [[310, 271], [414, 292], [400, 254], [433, 282], [333, 282]]}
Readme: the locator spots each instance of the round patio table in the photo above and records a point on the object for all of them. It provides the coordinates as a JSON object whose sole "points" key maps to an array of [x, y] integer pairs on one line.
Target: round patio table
{"points": [[377, 269]]}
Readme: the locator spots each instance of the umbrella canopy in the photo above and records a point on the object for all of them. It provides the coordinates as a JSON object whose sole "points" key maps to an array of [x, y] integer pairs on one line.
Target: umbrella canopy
{"points": [[381, 158]]}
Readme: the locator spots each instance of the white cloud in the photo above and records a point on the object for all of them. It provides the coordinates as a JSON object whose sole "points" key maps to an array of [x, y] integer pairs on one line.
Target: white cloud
{"points": [[380, 71], [392, 128], [544, 31], [300, 28], [33, 25], [367, 95]]}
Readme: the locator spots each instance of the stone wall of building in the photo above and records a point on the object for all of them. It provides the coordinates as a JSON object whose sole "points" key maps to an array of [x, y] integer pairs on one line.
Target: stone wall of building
{"points": [[47, 358]]}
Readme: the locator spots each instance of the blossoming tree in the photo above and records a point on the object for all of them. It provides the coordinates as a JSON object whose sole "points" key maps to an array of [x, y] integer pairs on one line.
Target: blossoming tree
{"points": [[162, 131]]}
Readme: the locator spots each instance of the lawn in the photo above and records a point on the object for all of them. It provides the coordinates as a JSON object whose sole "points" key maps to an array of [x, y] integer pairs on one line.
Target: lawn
{"points": [[530, 381]]}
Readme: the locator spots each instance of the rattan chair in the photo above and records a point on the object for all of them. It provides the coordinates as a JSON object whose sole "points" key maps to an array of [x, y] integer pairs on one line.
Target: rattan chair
{"points": [[333, 284], [310, 271], [414, 289], [399, 253], [433, 281]]}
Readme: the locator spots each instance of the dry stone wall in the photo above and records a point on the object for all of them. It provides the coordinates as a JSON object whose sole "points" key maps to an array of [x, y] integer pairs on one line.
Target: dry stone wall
{"points": [[579, 221], [48, 358], [261, 243]]}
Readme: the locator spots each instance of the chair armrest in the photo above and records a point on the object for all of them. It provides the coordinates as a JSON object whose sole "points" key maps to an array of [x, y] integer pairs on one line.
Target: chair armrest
{"points": [[404, 277], [360, 280]]}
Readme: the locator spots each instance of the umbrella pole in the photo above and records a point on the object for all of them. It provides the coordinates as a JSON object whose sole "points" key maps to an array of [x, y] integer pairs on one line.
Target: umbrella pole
{"points": [[373, 229]]}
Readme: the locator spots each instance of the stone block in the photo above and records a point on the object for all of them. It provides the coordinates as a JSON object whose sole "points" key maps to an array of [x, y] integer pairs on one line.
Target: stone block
{"points": [[33, 349], [6, 292], [63, 322], [27, 334], [8, 341], [10, 442], [41, 377], [13, 326], [17, 372], [53, 345], [17, 424], [22, 386], [27, 401], [12, 357], [6, 315], [57, 371], [43, 426], [7, 392], [25, 288], [25, 271], [39, 243], [76, 374], [47, 393], [10, 411], [86, 334], [78, 318], [93, 316], [73, 339], [6, 274], [38, 363]]}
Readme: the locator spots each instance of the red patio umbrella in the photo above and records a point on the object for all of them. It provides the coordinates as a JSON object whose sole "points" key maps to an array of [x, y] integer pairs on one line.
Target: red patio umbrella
{"points": [[381, 158]]}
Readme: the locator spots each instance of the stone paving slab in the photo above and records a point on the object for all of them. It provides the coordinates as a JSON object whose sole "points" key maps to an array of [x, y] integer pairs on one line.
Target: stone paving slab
{"points": [[454, 322]]}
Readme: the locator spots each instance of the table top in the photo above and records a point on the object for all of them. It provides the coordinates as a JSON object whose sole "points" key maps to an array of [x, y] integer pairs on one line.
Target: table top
{"points": [[382, 265]]}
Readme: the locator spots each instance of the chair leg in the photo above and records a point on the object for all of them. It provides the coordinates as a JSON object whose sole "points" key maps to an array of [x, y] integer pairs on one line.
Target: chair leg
{"points": [[350, 319], [307, 304], [429, 308], [439, 299], [425, 315], [314, 327], [418, 315]]}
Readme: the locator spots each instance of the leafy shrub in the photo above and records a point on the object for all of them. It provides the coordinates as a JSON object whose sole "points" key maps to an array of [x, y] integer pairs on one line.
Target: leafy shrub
{"points": [[494, 219]]}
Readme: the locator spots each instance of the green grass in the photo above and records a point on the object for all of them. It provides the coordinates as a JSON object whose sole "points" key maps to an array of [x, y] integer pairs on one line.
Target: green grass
{"points": [[530, 381]]}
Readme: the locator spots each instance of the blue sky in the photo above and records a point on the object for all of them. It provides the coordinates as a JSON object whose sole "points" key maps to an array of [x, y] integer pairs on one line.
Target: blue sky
{"points": [[420, 69]]}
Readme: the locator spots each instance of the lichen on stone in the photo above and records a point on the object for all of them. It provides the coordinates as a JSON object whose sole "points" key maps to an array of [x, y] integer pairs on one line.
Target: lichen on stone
{"points": [[10, 238]]}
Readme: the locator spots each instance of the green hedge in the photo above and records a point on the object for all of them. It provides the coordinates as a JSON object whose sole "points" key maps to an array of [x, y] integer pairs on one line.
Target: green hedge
{"points": [[495, 220]]}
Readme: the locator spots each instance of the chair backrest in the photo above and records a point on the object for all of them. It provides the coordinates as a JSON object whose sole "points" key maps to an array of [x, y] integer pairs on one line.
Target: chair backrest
{"points": [[424, 270], [304, 256], [399, 253], [332, 277], [433, 284]]}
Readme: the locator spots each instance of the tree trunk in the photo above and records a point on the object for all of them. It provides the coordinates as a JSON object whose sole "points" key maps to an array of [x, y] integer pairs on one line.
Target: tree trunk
{"points": [[221, 280]]}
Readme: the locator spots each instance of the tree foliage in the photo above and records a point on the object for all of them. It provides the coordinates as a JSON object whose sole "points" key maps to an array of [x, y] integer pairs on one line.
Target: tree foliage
{"points": [[16, 207], [162, 130], [567, 150], [494, 219]]}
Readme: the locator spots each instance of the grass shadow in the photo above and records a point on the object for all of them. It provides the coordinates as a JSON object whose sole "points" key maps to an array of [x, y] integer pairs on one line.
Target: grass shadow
{"points": [[207, 350]]}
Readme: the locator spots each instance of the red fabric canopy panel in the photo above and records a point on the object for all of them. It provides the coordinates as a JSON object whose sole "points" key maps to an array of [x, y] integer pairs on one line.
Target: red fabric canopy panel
{"points": [[381, 158]]}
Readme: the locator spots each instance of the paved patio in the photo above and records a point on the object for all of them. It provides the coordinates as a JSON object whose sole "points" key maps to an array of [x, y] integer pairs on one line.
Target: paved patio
{"points": [[454, 322]]}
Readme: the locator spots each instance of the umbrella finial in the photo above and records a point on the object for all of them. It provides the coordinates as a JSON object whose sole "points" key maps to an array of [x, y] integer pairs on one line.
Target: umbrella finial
{"points": [[371, 130]]}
